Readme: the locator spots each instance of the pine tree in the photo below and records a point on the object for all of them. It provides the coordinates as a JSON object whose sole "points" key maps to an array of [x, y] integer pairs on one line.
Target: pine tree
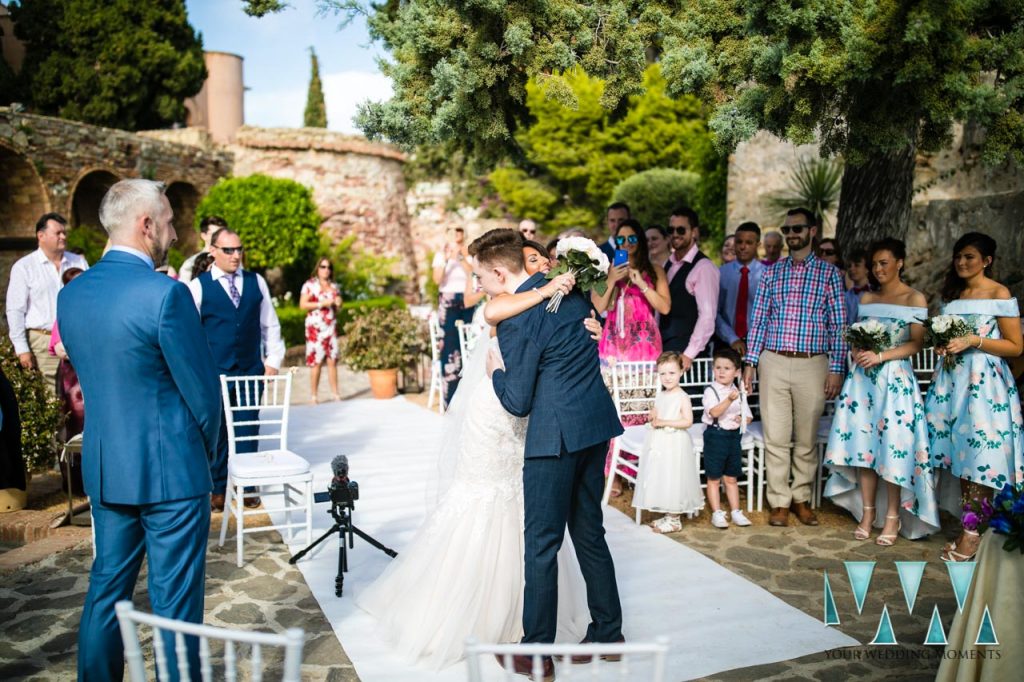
{"points": [[316, 110]]}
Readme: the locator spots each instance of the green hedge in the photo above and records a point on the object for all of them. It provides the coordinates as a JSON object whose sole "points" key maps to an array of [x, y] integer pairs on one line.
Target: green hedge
{"points": [[293, 318]]}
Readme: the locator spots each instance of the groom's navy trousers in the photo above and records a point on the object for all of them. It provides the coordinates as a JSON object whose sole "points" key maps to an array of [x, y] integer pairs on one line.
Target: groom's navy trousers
{"points": [[552, 373]]}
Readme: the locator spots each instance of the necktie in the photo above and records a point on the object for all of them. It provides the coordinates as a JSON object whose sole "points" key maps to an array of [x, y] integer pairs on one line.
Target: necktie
{"points": [[236, 297], [741, 303]]}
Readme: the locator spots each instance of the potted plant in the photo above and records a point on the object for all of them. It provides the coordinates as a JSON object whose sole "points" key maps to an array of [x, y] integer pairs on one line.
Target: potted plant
{"points": [[378, 342]]}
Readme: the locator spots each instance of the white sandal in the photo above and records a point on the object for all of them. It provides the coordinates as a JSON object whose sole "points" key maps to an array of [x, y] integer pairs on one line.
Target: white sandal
{"points": [[667, 524]]}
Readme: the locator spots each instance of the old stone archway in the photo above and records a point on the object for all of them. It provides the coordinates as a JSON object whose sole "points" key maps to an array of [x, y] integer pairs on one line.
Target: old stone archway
{"points": [[184, 199], [22, 200], [22, 194], [85, 202]]}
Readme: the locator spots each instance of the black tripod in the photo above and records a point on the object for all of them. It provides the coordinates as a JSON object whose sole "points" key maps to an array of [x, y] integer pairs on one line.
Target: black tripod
{"points": [[347, 531]]}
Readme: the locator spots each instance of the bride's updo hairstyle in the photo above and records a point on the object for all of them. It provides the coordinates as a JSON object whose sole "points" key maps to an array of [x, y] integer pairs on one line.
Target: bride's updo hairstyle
{"points": [[499, 247]]}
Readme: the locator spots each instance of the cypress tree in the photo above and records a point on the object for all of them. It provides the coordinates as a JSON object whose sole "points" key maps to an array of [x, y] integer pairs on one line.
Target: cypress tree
{"points": [[316, 110]]}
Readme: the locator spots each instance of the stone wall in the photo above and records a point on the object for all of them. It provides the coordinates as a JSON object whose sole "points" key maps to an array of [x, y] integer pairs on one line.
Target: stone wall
{"points": [[358, 185], [937, 225], [50, 164]]}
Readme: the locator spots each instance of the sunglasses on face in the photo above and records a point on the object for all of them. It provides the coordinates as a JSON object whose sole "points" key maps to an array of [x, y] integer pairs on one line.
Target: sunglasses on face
{"points": [[229, 250], [795, 229], [828, 252], [622, 240], [679, 230], [325, 266]]}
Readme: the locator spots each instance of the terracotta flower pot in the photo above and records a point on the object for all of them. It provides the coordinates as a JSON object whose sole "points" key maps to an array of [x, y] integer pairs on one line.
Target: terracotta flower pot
{"points": [[383, 383]]}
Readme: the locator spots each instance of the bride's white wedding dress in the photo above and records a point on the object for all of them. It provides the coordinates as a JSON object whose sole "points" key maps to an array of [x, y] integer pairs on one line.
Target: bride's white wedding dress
{"points": [[462, 574]]}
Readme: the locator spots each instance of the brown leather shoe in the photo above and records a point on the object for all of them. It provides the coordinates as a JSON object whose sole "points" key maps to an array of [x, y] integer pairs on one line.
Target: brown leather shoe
{"points": [[252, 502], [584, 658], [523, 665], [778, 517], [804, 513], [217, 503]]}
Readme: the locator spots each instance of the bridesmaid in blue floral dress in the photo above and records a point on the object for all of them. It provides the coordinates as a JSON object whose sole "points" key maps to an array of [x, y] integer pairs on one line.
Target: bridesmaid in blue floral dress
{"points": [[973, 410], [879, 428]]}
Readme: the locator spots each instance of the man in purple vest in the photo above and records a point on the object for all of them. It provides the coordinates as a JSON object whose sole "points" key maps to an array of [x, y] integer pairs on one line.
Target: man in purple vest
{"points": [[693, 286], [241, 324]]}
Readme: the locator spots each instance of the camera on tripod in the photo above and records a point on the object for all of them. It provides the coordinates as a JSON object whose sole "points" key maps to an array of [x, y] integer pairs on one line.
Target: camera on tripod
{"points": [[342, 493]]}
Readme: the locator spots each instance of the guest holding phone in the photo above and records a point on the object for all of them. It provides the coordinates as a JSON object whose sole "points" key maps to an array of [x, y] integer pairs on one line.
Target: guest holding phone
{"points": [[637, 289]]}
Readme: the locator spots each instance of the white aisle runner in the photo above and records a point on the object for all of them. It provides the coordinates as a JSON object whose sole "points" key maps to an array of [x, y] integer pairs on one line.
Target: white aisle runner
{"points": [[715, 619]]}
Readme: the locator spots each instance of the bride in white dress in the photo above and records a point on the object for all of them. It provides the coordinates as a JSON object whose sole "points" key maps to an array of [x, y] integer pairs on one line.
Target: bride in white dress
{"points": [[462, 573]]}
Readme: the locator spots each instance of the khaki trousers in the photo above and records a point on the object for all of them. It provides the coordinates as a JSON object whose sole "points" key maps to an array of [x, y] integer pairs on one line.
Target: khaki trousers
{"points": [[40, 345], [792, 402]]}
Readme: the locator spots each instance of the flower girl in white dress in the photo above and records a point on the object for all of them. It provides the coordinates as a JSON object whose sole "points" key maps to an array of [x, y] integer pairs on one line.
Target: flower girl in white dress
{"points": [[668, 480]]}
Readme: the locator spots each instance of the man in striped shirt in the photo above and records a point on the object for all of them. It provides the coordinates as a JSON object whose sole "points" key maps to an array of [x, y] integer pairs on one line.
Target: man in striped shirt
{"points": [[796, 343]]}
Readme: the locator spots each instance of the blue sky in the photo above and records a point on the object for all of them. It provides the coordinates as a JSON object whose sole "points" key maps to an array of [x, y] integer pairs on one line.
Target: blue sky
{"points": [[276, 52]]}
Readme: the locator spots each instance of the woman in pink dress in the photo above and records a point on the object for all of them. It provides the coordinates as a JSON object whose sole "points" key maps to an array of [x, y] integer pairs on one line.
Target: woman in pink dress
{"points": [[320, 299], [636, 291]]}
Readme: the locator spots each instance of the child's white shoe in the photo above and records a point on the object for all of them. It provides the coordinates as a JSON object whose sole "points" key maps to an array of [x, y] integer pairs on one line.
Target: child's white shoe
{"points": [[739, 519], [718, 519]]}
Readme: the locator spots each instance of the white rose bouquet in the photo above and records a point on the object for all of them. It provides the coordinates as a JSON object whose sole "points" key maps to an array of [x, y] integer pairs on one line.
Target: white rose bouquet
{"points": [[870, 335], [942, 329], [587, 263]]}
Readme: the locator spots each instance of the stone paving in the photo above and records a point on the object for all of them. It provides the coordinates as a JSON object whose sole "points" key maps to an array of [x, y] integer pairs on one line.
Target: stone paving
{"points": [[42, 605]]}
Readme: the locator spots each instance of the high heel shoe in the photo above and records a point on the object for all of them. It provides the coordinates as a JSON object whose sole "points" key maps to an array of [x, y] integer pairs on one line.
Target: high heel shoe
{"points": [[949, 553], [889, 539], [861, 533]]}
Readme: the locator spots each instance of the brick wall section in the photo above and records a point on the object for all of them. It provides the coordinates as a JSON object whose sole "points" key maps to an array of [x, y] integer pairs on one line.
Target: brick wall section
{"points": [[42, 160], [358, 185]]}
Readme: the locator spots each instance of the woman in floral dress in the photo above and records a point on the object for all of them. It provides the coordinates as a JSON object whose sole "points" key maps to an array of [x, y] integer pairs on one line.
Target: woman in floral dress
{"points": [[972, 408], [879, 430], [321, 299], [636, 291]]}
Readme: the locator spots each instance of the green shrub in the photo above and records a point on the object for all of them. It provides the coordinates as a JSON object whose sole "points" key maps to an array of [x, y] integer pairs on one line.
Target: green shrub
{"points": [[381, 339], [40, 411], [293, 318], [88, 241], [653, 194], [276, 219]]}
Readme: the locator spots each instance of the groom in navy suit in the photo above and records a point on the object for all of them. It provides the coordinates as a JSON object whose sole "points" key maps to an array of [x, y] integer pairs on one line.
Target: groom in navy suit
{"points": [[150, 388], [552, 373]]}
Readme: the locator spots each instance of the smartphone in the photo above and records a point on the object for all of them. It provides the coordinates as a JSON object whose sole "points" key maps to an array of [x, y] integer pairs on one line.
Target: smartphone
{"points": [[621, 257]]}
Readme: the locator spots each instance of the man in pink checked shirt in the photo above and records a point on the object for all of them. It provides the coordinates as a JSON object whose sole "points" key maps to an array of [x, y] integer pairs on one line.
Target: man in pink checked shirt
{"points": [[796, 343], [693, 287]]}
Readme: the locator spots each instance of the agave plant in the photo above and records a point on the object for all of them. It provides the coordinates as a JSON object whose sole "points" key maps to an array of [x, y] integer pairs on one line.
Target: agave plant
{"points": [[813, 184]]}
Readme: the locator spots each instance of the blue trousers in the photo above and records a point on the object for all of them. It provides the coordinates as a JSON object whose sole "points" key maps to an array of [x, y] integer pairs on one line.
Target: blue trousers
{"points": [[219, 465], [174, 536], [559, 492]]}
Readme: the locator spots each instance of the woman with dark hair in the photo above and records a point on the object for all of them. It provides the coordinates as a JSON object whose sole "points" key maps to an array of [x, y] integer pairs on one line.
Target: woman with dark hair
{"points": [[636, 290], [69, 393], [879, 431], [321, 299], [972, 409]]}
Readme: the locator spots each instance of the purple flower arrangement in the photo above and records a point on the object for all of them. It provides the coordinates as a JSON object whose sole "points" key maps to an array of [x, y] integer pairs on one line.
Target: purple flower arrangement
{"points": [[1004, 514]]}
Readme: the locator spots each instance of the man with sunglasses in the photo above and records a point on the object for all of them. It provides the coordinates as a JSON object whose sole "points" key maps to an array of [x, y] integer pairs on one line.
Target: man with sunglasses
{"points": [[693, 288], [613, 217], [796, 343], [239, 318], [528, 229]]}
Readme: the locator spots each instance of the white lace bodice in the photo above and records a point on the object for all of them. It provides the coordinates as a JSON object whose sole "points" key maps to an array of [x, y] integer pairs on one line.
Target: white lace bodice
{"points": [[492, 445]]}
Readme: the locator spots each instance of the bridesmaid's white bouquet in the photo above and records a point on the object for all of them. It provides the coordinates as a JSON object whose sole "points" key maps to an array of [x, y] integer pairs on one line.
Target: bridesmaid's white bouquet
{"points": [[585, 261], [870, 335], [942, 329]]}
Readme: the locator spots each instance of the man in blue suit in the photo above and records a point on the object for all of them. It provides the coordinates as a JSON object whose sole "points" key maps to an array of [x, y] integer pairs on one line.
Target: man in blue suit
{"points": [[150, 388], [552, 373]]}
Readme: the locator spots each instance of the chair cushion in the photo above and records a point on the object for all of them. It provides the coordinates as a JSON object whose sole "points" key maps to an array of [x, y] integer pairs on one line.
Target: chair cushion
{"points": [[267, 463]]}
